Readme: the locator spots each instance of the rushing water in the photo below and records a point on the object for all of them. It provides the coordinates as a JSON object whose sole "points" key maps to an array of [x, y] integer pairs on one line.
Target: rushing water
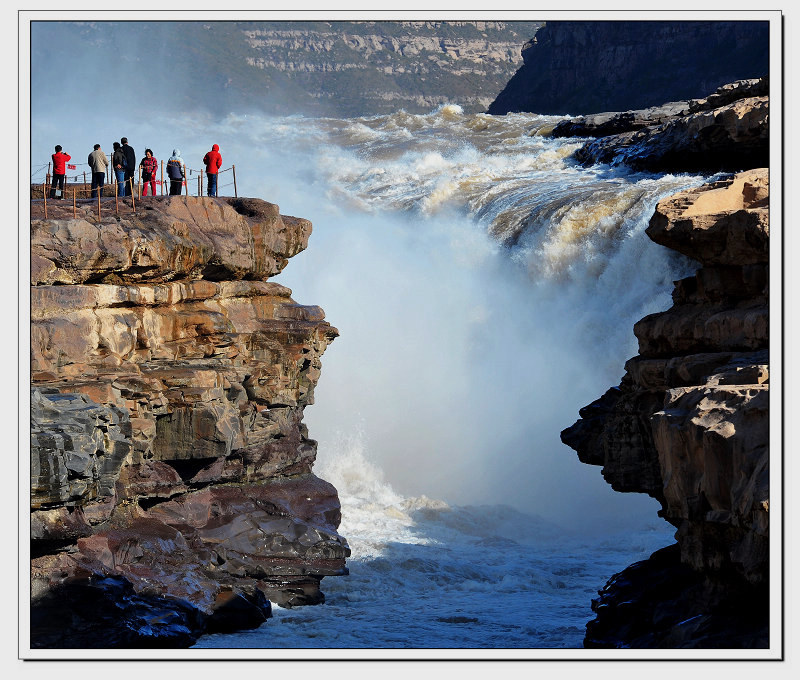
{"points": [[485, 288]]}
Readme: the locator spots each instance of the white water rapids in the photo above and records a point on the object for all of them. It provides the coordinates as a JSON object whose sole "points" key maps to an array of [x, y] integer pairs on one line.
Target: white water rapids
{"points": [[485, 288]]}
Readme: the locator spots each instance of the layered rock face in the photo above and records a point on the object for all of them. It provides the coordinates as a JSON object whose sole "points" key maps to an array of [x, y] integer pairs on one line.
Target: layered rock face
{"points": [[383, 66], [581, 67], [318, 68], [726, 131], [172, 490], [689, 425]]}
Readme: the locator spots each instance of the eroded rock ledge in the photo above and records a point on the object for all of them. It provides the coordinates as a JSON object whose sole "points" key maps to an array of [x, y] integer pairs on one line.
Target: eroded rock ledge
{"points": [[727, 131], [172, 490], [689, 425]]}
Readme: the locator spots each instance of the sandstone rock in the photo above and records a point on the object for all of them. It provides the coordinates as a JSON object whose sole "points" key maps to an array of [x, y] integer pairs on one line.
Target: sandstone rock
{"points": [[171, 472], [612, 123], [605, 124], [723, 223], [730, 138], [689, 425], [176, 237]]}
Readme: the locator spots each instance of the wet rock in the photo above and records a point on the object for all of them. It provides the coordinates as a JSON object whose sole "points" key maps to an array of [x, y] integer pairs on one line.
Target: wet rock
{"points": [[660, 603], [105, 612]]}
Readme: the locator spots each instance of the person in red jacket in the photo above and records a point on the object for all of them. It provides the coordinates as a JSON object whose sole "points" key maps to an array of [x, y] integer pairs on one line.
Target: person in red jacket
{"points": [[213, 162], [59, 171], [149, 167]]}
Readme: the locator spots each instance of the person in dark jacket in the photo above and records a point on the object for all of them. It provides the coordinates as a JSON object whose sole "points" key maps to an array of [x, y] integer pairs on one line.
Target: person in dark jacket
{"points": [[176, 173], [98, 162], [118, 162], [59, 171], [149, 167], [130, 158], [213, 162]]}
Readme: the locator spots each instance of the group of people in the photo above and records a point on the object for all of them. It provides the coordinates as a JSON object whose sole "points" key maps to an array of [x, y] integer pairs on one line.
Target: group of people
{"points": [[123, 161]]}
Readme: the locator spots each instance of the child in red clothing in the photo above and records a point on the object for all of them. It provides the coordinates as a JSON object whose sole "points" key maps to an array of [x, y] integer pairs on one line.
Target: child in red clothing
{"points": [[149, 167]]}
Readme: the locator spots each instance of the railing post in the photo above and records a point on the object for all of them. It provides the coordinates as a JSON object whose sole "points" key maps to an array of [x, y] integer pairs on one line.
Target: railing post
{"points": [[162, 178], [139, 178], [201, 183], [133, 198], [45, 200], [235, 193]]}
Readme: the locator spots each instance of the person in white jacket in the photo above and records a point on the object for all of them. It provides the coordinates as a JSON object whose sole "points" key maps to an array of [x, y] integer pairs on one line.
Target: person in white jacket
{"points": [[98, 162]]}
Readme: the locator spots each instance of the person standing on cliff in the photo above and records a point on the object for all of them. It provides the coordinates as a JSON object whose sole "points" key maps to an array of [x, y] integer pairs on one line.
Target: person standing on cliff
{"points": [[176, 172], [98, 162], [149, 167], [130, 159], [59, 171], [213, 161], [119, 162]]}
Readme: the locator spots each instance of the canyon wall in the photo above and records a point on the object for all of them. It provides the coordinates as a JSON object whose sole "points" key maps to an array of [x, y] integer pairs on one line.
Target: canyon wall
{"points": [[382, 67], [317, 68], [172, 490], [689, 424], [581, 67]]}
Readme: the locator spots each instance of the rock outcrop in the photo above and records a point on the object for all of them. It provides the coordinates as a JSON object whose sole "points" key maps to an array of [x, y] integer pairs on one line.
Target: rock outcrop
{"points": [[582, 67], [725, 132], [689, 425], [172, 490]]}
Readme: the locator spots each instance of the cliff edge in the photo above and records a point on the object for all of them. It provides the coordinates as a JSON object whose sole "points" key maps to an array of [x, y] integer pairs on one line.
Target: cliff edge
{"points": [[172, 491], [689, 425]]}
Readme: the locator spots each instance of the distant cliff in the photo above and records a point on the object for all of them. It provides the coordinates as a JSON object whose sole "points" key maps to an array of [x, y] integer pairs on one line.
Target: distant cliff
{"points": [[331, 68], [379, 67], [581, 67], [172, 490]]}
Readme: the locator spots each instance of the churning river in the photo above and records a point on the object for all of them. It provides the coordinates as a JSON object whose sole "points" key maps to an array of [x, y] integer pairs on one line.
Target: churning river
{"points": [[485, 287]]}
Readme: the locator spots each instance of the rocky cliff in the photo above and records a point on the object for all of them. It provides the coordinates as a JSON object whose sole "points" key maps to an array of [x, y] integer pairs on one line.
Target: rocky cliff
{"points": [[329, 68], [172, 490], [581, 67], [726, 131], [689, 425], [382, 67]]}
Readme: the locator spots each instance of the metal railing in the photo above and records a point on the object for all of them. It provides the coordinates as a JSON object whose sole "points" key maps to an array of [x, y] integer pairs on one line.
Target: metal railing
{"points": [[81, 193]]}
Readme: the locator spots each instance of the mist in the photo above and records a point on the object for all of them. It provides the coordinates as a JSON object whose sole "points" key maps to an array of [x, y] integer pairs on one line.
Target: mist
{"points": [[456, 371]]}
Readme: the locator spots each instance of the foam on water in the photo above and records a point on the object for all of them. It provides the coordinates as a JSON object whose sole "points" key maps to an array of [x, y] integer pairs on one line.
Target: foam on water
{"points": [[427, 575], [485, 287]]}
